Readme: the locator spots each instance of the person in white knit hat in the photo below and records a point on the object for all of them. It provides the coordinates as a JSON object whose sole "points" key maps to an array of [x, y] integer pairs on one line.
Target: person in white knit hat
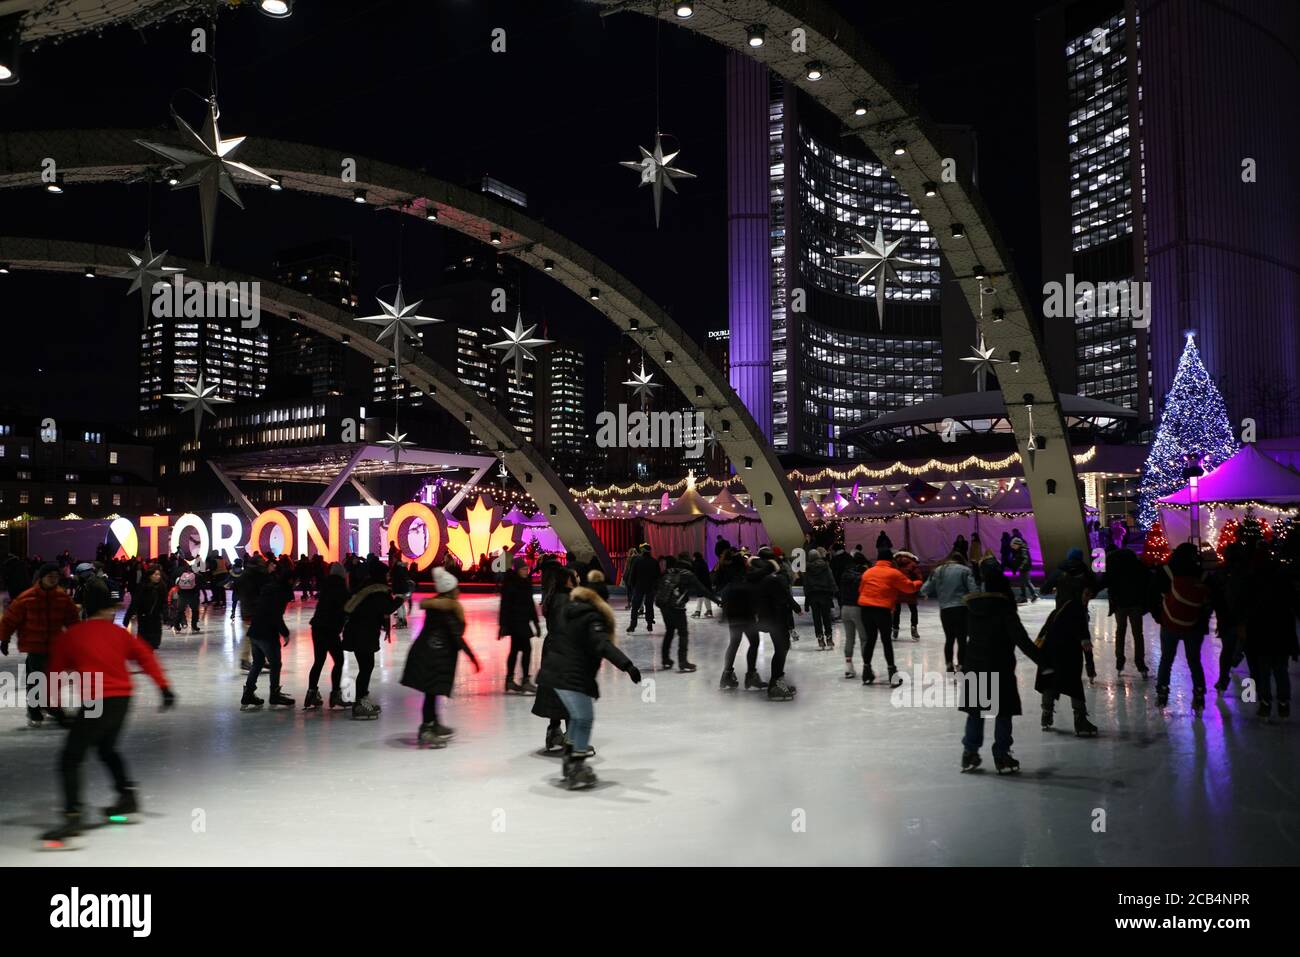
{"points": [[431, 662]]}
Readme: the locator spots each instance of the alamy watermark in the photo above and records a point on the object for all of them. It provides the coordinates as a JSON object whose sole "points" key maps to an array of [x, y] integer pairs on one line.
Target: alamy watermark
{"points": [[183, 298], [70, 690], [651, 430], [1127, 299], [940, 689]]}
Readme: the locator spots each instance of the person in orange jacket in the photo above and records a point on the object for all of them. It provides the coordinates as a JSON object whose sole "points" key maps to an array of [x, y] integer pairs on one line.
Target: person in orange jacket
{"points": [[38, 614], [879, 592]]}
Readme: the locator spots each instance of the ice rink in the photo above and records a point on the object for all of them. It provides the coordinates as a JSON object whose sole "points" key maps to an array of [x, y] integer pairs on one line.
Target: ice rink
{"points": [[689, 774]]}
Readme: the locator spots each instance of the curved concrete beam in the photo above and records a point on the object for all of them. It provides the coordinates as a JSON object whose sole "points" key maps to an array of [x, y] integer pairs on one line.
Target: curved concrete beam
{"points": [[95, 156], [853, 71], [523, 459]]}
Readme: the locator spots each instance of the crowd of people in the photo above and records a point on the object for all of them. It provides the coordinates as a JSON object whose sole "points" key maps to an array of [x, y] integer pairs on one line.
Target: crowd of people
{"points": [[63, 615]]}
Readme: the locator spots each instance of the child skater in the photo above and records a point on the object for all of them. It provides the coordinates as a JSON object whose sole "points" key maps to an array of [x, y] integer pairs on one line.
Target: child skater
{"points": [[98, 646], [569, 667], [557, 583], [431, 663]]}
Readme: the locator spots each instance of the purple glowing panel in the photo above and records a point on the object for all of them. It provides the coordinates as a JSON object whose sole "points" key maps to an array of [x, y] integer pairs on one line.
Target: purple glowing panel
{"points": [[748, 238]]}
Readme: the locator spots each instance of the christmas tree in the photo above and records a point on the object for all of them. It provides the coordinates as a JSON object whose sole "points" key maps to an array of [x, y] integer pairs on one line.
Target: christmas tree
{"points": [[1226, 537], [1194, 421], [1156, 549]]}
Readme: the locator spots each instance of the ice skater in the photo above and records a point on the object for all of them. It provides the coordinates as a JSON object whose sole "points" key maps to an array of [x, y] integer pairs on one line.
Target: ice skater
{"points": [[676, 587], [850, 581], [431, 663], [950, 583], [775, 604], [266, 632], [517, 618], [1184, 619], [1065, 636], [1270, 632], [989, 669], [880, 591], [555, 595], [326, 629], [38, 614], [367, 615], [1127, 582], [585, 638], [910, 566], [642, 581], [98, 647], [148, 605], [739, 599], [819, 595]]}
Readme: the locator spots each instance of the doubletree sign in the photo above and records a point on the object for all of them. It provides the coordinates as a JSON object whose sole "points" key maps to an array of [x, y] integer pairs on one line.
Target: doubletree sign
{"points": [[420, 533]]}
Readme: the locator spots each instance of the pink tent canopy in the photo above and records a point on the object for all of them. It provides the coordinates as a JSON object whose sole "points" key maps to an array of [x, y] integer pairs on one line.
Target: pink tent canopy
{"points": [[1250, 475], [726, 501]]}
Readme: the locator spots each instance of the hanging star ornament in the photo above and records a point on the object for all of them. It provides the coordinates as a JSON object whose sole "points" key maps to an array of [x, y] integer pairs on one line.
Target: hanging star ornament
{"points": [[516, 345], [399, 321], [207, 163], [146, 268], [878, 259], [1032, 445], [982, 362], [657, 171], [199, 398], [396, 441], [641, 384]]}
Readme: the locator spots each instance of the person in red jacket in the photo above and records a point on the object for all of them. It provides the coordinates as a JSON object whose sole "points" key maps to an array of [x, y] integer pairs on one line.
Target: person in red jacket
{"points": [[38, 615], [97, 647], [879, 592]]}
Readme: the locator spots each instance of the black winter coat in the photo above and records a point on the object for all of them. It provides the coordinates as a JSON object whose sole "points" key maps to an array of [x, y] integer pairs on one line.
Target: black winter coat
{"points": [[268, 617], [644, 574], [368, 612], [518, 611], [248, 586], [701, 568], [994, 633], [818, 581], [1060, 663], [839, 562], [585, 639], [431, 663], [1271, 615], [740, 596], [1127, 580], [546, 703], [148, 605], [327, 621], [851, 583], [775, 602]]}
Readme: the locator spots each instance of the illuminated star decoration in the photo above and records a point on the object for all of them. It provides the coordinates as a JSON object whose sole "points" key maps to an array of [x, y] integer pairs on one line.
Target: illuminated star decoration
{"points": [[206, 162], [1032, 445], [146, 268], [982, 362], [396, 441], [641, 384], [879, 261], [517, 343], [199, 398], [657, 171], [399, 321]]}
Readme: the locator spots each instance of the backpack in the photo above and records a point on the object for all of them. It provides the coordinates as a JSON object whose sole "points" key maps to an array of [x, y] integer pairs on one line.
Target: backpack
{"points": [[672, 591], [187, 581]]}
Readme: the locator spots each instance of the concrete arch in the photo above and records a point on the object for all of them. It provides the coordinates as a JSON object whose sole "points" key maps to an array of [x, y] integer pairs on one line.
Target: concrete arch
{"points": [[522, 458], [95, 156], [853, 71]]}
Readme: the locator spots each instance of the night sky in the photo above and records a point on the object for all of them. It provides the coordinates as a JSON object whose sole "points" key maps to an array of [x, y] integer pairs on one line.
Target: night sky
{"points": [[414, 83]]}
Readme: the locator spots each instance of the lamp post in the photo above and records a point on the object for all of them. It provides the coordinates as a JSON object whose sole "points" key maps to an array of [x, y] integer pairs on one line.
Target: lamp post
{"points": [[1193, 473]]}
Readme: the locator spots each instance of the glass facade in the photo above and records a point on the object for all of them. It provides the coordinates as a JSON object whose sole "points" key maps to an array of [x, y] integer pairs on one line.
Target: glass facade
{"points": [[172, 352]]}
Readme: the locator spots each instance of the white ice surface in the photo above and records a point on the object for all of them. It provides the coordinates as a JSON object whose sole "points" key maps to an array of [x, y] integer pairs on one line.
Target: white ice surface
{"points": [[689, 775]]}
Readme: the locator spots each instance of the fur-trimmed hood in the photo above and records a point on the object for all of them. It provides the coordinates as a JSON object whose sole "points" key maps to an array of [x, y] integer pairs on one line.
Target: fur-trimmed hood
{"points": [[362, 595], [584, 594], [445, 605]]}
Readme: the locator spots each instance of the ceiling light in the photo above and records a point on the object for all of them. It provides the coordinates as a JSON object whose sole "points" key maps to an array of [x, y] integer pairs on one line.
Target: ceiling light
{"points": [[55, 187], [276, 186], [90, 272], [899, 147], [860, 107], [495, 238], [9, 49], [756, 34], [958, 230], [430, 214], [931, 189], [358, 196], [594, 294], [979, 272], [4, 269], [277, 9], [172, 180], [548, 264], [815, 71], [684, 9]]}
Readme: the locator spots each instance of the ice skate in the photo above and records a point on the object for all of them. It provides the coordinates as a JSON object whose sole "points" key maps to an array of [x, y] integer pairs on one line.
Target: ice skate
{"points": [[729, 681], [830, 642], [1198, 701], [577, 776], [895, 679], [849, 673], [821, 643], [313, 701], [667, 664], [794, 635], [429, 737], [708, 614], [554, 740], [1084, 728], [589, 752], [512, 687], [1119, 666], [686, 667], [250, 702], [752, 680], [70, 827], [695, 614], [631, 628], [125, 804], [245, 664], [527, 687], [1265, 710], [1142, 670], [336, 699], [1048, 717], [1005, 763], [970, 760], [35, 723], [1162, 697], [950, 669], [280, 700], [778, 690], [365, 710], [916, 635], [442, 731], [894, 636], [868, 676]]}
